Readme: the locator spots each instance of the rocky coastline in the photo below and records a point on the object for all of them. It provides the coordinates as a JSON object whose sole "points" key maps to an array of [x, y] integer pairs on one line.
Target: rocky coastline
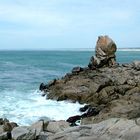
{"points": [[111, 92]]}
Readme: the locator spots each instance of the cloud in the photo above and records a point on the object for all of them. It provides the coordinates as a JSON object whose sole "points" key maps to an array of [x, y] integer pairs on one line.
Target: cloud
{"points": [[25, 21], [67, 19]]}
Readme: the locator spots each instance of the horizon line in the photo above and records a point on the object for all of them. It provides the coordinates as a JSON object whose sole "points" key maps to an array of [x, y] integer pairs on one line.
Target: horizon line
{"points": [[67, 49]]}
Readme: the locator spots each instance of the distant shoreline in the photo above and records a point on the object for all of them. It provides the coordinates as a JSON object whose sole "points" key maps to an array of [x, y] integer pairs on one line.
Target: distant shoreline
{"points": [[75, 49]]}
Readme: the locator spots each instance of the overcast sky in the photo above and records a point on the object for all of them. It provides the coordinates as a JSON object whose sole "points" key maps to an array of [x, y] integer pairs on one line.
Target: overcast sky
{"points": [[57, 24]]}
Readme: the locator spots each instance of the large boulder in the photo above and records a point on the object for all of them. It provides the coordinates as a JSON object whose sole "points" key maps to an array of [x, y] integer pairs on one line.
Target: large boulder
{"points": [[104, 53], [23, 133], [38, 126], [56, 126]]}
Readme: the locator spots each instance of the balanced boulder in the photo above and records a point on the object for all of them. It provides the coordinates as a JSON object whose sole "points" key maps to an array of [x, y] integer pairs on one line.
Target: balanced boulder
{"points": [[104, 53]]}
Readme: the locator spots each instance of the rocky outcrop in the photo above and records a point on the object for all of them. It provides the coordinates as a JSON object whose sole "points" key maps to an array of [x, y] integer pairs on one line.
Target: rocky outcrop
{"points": [[113, 89], [111, 92], [112, 129]]}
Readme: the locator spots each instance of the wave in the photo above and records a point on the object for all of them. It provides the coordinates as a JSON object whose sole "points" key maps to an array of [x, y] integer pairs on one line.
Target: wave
{"points": [[12, 64], [26, 108]]}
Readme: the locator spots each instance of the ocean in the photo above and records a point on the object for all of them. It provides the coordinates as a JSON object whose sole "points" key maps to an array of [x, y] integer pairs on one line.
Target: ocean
{"points": [[21, 73]]}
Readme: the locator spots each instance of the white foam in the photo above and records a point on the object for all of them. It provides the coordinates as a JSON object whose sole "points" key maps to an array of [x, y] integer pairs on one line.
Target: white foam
{"points": [[33, 106]]}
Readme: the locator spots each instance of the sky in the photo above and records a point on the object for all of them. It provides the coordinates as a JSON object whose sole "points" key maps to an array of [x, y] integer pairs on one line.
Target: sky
{"points": [[68, 24]]}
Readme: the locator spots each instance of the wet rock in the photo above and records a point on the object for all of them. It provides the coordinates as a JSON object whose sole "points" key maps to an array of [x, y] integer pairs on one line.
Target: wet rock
{"points": [[92, 111], [72, 120], [77, 69], [85, 108], [42, 87], [89, 111]]}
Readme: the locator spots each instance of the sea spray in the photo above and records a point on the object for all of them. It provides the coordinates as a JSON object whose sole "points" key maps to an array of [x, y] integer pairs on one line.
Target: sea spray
{"points": [[29, 109]]}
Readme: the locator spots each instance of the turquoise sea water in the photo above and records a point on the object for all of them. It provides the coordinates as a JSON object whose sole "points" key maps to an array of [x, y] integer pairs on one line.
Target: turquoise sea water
{"points": [[21, 73]]}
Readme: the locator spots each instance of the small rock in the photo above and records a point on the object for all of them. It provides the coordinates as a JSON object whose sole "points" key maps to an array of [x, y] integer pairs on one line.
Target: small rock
{"points": [[77, 69], [93, 111], [42, 87], [83, 109], [73, 119]]}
